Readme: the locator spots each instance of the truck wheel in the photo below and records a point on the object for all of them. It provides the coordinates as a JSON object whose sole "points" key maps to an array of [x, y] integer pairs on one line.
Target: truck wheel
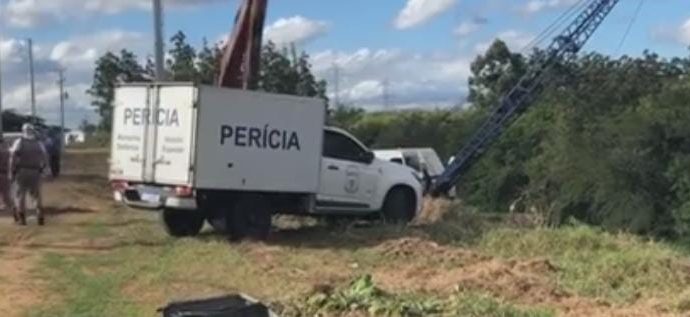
{"points": [[218, 219], [182, 223], [399, 206], [251, 218]]}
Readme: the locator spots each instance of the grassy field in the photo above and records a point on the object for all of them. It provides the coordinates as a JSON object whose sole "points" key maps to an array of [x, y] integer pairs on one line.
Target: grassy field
{"points": [[95, 258]]}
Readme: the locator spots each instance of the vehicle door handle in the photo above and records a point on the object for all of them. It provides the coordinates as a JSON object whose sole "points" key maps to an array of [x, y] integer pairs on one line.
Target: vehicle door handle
{"points": [[333, 168], [161, 161]]}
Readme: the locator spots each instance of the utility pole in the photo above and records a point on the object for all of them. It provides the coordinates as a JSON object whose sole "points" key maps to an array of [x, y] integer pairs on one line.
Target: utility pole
{"points": [[158, 31], [31, 77], [61, 82]]}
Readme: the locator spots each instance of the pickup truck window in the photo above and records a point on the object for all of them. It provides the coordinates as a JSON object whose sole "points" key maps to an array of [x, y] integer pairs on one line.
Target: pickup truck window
{"points": [[340, 147]]}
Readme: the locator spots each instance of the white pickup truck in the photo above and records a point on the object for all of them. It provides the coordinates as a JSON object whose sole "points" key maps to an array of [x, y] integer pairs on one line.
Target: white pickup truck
{"points": [[234, 158]]}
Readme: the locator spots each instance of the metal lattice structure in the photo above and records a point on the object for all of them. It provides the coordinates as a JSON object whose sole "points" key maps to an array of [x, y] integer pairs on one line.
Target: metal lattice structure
{"points": [[563, 48]]}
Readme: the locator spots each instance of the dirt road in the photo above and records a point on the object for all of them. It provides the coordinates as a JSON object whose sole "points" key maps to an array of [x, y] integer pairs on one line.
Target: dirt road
{"points": [[95, 258]]}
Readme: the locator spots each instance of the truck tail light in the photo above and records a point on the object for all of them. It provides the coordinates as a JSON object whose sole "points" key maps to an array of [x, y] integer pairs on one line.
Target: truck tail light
{"points": [[119, 186], [184, 191]]}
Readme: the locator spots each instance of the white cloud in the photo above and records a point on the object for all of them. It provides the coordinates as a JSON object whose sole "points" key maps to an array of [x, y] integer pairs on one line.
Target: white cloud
{"points": [[417, 12], [412, 79], [77, 54], [516, 41], [679, 34], [82, 52], [535, 6], [296, 29], [684, 33], [32, 13], [466, 28]]}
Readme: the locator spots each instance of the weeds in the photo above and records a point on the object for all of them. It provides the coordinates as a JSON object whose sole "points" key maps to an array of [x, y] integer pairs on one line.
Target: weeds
{"points": [[619, 268], [362, 296]]}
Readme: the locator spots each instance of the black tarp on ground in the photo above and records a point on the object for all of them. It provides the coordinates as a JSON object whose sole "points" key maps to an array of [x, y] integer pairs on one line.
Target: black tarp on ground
{"points": [[225, 306]]}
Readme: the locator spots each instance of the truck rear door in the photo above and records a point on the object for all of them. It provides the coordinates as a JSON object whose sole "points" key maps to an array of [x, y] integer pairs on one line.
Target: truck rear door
{"points": [[128, 146], [153, 134], [174, 122]]}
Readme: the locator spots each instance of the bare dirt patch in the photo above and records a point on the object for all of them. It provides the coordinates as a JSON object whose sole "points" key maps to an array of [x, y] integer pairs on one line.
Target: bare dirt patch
{"points": [[19, 290]]}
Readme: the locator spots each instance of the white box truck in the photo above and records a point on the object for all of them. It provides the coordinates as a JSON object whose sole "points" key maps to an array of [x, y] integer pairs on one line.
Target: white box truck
{"points": [[234, 158]]}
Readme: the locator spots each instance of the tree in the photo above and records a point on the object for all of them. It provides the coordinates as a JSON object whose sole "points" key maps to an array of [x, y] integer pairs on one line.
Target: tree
{"points": [[182, 63], [87, 127], [285, 72], [102, 89], [494, 73], [281, 72], [208, 63]]}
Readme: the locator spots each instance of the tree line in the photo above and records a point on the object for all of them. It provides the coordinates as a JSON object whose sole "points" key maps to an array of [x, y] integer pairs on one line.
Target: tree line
{"points": [[283, 70], [607, 142]]}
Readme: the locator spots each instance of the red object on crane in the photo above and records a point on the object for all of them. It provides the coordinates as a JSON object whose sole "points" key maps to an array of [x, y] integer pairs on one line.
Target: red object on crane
{"points": [[239, 66]]}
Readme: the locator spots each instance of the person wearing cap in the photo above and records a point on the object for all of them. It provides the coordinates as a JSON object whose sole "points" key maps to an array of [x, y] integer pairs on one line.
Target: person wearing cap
{"points": [[5, 183], [28, 158]]}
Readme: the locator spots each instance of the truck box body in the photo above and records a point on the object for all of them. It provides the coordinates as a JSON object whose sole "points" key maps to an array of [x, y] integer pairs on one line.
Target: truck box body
{"points": [[216, 138]]}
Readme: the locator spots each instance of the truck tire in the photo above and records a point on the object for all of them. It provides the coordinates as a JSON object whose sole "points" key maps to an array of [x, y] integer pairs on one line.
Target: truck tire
{"points": [[218, 219], [399, 206], [182, 223], [250, 218]]}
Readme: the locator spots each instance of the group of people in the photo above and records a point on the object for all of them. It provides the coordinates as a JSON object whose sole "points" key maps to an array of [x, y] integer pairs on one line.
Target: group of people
{"points": [[21, 168]]}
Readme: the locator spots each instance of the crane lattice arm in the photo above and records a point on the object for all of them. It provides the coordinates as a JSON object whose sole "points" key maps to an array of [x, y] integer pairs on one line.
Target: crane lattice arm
{"points": [[239, 65], [563, 48]]}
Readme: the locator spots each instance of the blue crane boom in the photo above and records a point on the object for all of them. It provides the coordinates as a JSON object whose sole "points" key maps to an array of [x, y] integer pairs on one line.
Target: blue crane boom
{"points": [[563, 48]]}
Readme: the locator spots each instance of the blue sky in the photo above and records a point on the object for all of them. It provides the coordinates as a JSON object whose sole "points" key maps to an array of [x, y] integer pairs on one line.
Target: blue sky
{"points": [[420, 48]]}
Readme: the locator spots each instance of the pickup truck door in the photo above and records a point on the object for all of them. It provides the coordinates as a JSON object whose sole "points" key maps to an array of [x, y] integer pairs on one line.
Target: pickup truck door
{"points": [[347, 182]]}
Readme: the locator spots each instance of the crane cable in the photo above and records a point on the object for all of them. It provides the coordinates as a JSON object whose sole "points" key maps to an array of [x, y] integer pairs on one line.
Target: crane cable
{"points": [[556, 25], [633, 19]]}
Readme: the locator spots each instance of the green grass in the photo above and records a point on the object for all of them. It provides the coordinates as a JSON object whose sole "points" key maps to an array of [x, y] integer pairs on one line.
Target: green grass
{"points": [[363, 296], [480, 305], [592, 263], [85, 293]]}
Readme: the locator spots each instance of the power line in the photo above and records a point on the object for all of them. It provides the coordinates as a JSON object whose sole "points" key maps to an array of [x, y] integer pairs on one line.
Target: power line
{"points": [[630, 25], [556, 25]]}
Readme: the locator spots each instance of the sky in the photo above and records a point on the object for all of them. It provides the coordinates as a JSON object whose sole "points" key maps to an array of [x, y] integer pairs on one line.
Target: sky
{"points": [[400, 53]]}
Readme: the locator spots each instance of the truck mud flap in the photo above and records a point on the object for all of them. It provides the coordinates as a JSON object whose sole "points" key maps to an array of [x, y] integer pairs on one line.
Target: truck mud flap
{"points": [[225, 306]]}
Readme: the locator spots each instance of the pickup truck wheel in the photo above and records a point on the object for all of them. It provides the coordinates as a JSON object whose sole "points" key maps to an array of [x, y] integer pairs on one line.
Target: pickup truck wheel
{"points": [[182, 223], [399, 206], [251, 218]]}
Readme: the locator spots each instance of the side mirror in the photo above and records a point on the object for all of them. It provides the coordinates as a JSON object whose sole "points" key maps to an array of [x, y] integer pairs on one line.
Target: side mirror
{"points": [[368, 157]]}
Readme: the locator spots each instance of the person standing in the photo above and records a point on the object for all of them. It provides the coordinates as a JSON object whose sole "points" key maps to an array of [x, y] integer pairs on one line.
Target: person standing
{"points": [[5, 182], [28, 158]]}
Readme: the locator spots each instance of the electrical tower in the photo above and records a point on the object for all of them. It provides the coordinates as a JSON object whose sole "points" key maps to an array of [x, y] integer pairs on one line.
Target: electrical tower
{"points": [[386, 96]]}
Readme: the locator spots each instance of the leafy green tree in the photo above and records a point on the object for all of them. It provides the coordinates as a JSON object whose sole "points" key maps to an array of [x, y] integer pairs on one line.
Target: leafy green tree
{"points": [[493, 73], [182, 61], [208, 63], [285, 72]]}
